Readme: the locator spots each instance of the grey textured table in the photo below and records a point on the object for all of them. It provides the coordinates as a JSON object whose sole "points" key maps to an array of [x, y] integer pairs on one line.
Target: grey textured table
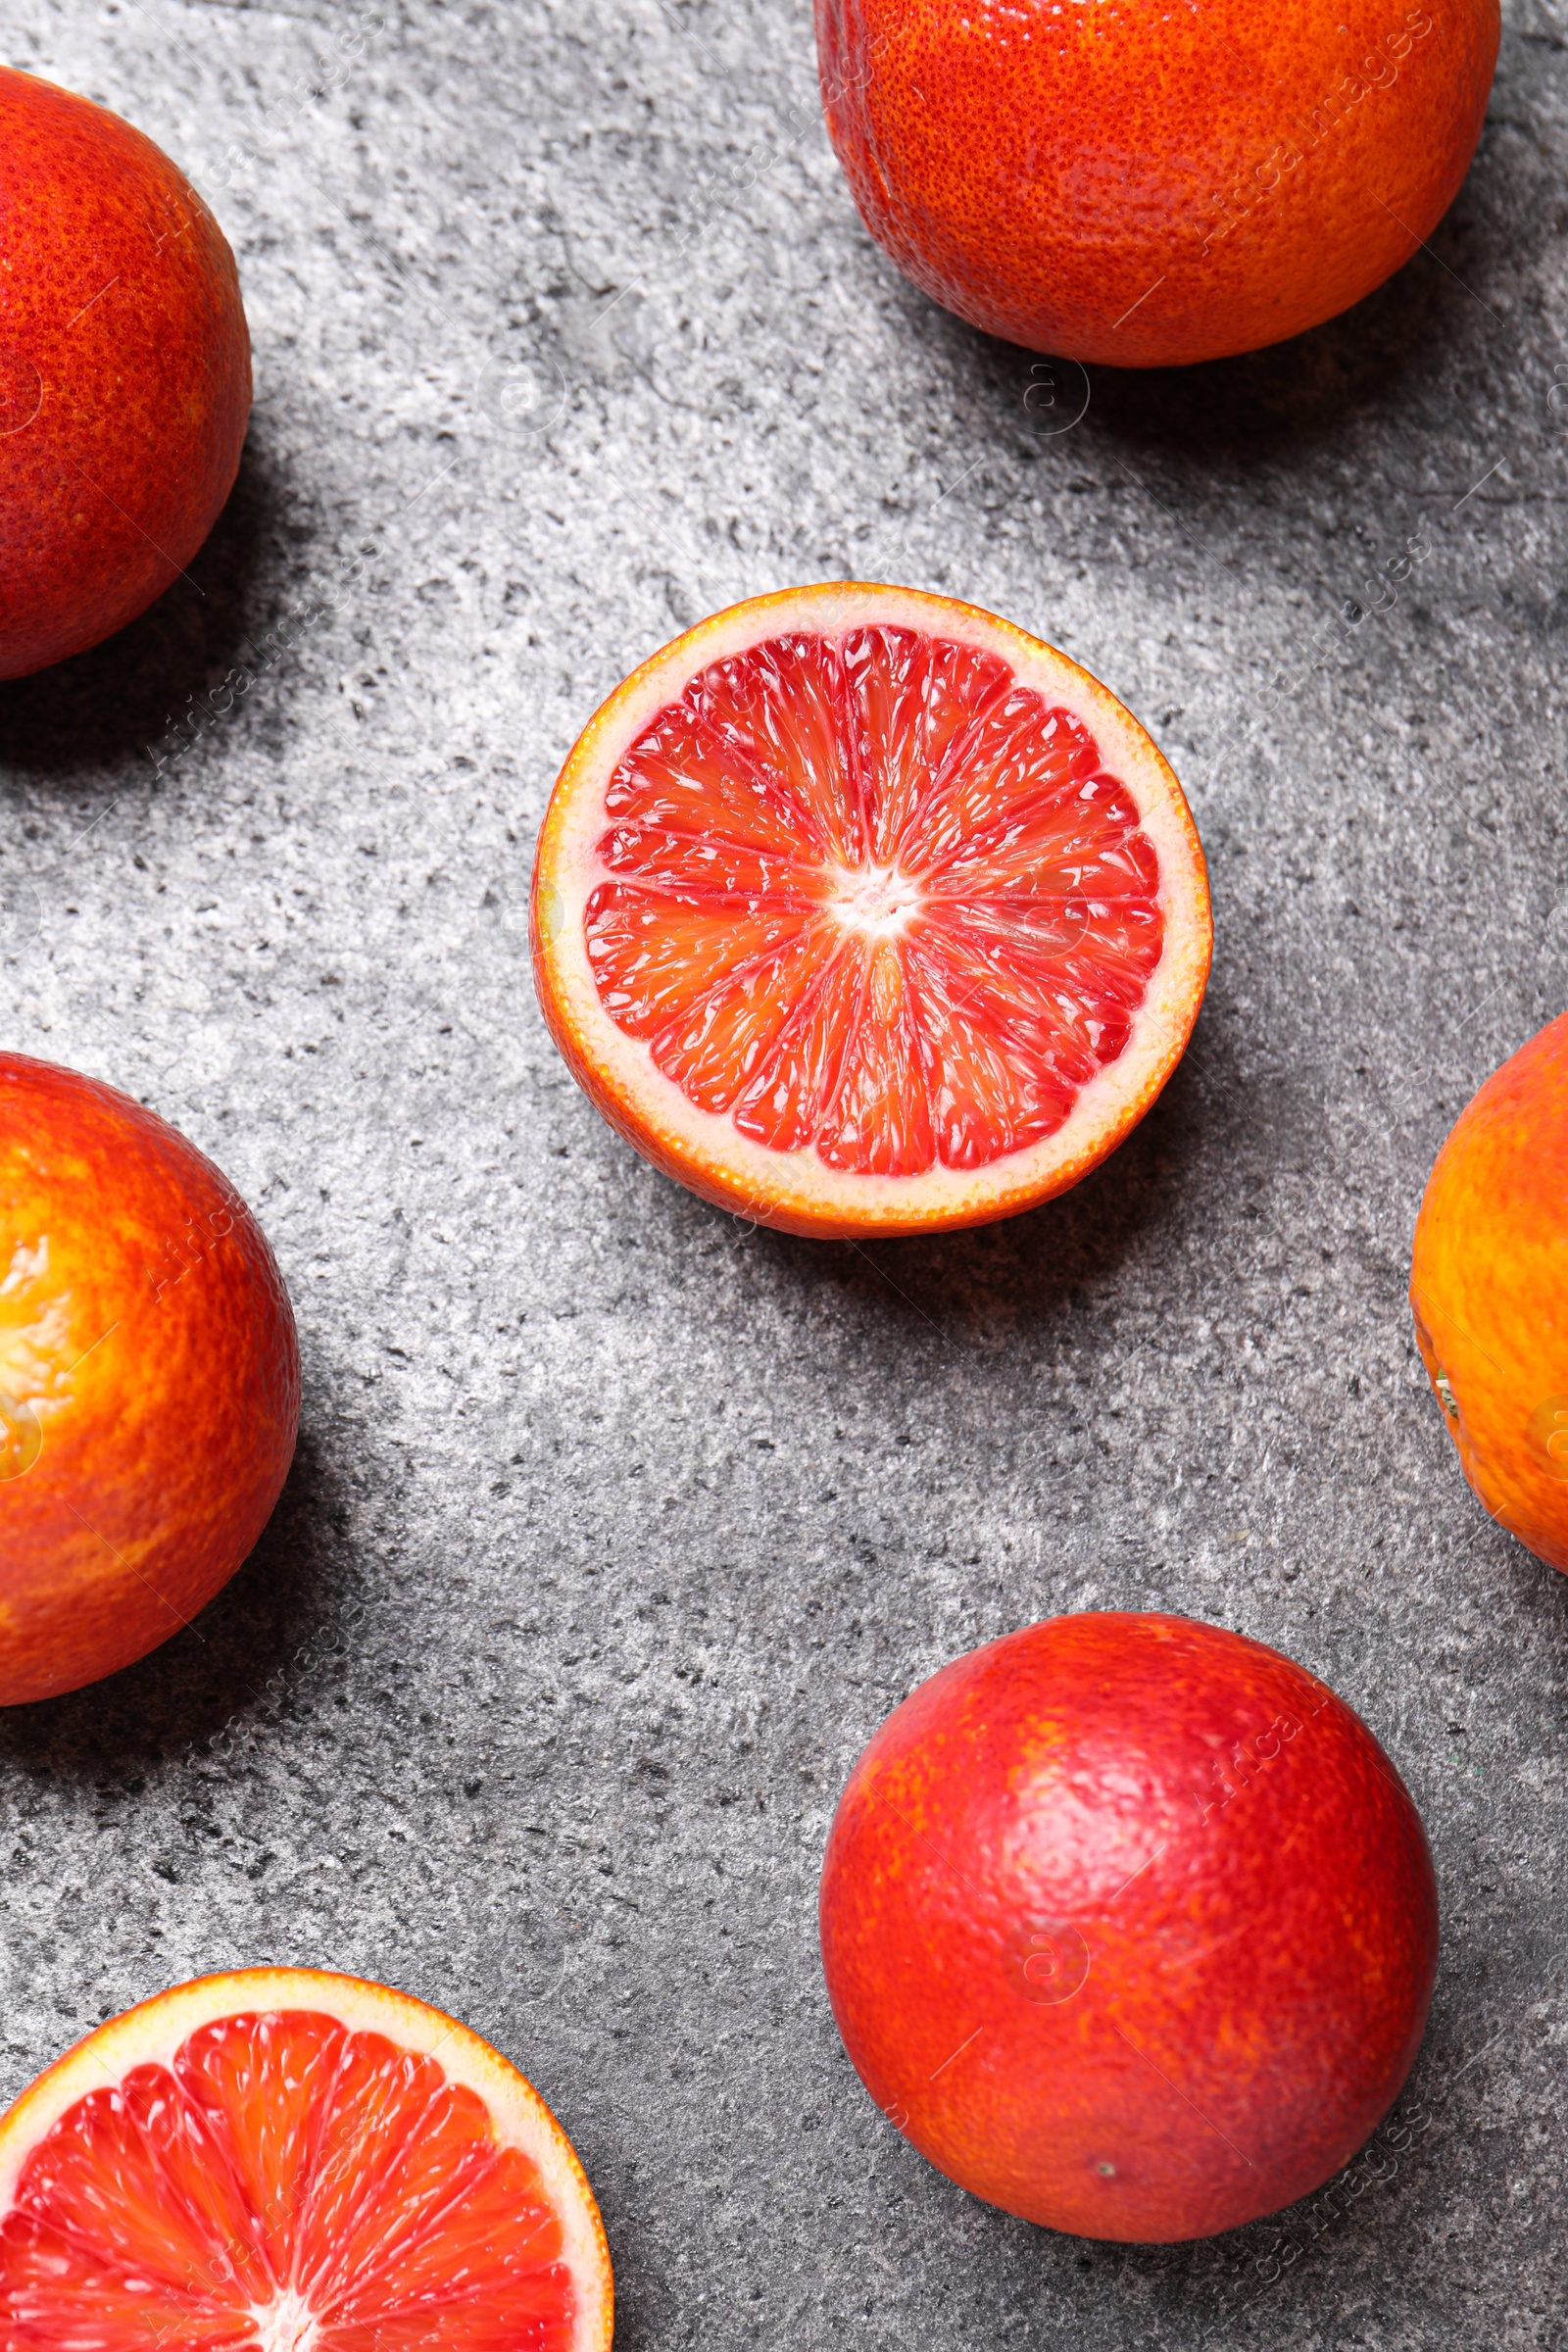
{"points": [[615, 1529]]}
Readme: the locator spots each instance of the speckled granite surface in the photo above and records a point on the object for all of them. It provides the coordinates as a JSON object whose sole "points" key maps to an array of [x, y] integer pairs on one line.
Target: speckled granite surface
{"points": [[614, 1529]]}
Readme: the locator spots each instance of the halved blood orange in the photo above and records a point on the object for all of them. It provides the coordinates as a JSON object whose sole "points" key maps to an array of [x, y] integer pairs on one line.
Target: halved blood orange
{"points": [[282, 2160], [859, 911]]}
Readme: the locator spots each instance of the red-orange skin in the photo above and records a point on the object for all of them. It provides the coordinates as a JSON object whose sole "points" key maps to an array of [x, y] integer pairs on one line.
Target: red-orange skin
{"points": [[125, 373], [1489, 1284], [1112, 1943], [1150, 182], [149, 1380]]}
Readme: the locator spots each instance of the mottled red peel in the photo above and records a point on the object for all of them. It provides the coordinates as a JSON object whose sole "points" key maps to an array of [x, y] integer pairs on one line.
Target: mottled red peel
{"points": [[1130, 1926]]}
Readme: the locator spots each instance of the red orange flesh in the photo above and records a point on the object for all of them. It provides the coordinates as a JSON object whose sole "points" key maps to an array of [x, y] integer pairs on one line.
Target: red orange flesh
{"points": [[1146, 185], [285, 2160], [1488, 1283], [149, 1380], [859, 910], [1129, 1925], [124, 372]]}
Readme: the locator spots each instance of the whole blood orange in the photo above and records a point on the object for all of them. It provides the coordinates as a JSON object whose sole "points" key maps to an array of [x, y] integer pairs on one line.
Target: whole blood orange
{"points": [[1143, 186], [860, 911], [282, 2160], [124, 372], [1489, 1284], [1130, 1926], [149, 1380]]}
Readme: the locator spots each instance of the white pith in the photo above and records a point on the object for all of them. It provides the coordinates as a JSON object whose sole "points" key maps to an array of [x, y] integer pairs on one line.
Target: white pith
{"points": [[152, 2034], [286, 2323], [752, 1177], [877, 901]]}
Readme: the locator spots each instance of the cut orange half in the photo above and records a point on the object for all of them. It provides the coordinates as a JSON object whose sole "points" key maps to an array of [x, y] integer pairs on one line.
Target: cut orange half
{"points": [[282, 2160], [859, 911]]}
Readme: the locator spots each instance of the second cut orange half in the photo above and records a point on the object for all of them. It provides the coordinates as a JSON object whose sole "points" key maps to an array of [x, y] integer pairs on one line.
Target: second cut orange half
{"points": [[859, 910], [288, 2160]]}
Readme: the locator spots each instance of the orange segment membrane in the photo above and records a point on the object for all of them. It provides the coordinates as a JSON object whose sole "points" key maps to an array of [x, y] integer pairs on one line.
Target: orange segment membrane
{"points": [[284, 2185], [866, 895]]}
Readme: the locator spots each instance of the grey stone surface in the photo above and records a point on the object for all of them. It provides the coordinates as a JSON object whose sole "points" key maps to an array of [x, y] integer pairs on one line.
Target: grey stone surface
{"points": [[615, 1529]]}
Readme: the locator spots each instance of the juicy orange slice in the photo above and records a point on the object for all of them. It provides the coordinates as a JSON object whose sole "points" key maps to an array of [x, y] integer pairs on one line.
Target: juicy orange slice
{"points": [[282, 2160], [859, 911]]}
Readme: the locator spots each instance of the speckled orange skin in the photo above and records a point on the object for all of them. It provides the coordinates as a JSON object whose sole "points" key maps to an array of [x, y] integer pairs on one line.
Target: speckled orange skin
{"points": [[1130, 1926], [1148, 182], [1489, 1284], [125, 373], [149, 1380]]}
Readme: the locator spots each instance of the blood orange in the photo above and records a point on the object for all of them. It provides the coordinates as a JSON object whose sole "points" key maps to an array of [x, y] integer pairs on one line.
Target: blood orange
{"points": [[1486, 1281], [1145, 186], [859, 911], [1130, 1926], [125, 373], [149, 1380], [282, 2160]]}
